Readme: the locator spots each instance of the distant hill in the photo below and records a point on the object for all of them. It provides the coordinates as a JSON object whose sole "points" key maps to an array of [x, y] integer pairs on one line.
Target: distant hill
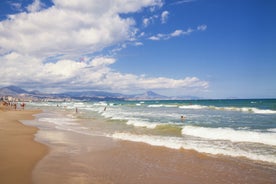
{"points": [[149, 95], [86, 95], [12, 90], [92, 94]]}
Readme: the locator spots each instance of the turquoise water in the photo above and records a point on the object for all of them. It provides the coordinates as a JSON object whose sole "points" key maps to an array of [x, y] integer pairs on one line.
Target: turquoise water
{"points": [[236, 128]]}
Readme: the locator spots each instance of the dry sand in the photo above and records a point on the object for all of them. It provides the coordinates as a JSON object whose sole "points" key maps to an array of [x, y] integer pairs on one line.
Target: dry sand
{"points": [[19, 153]]}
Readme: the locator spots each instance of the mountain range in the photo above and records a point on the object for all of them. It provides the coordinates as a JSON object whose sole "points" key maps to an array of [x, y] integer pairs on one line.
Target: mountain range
{"points": [[86, 95]]}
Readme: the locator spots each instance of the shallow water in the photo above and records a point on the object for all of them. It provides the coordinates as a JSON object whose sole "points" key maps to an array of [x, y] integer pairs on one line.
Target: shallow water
{"points": [[84, 154], [236, 128]]}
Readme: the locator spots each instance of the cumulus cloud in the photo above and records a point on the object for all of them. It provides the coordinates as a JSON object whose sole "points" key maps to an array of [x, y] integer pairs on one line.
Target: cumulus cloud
{"points": [[35, 6], [101, 61], [90, 73], [69, 28], [82, 26]]}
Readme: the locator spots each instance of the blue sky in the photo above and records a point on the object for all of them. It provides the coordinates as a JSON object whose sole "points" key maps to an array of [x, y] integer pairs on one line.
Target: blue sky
{"points": [[206, 48]]}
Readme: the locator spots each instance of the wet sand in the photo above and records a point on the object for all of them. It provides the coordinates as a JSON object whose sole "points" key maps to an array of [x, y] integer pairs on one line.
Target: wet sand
{"points": [[19, 153], [76, 158]]}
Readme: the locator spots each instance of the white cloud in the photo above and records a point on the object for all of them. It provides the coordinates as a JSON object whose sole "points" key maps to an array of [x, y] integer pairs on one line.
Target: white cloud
{"points": [[70, 26], [177, 33], [164, 17], [16, 6], [146, 22], [149, 20], [36, 6], [138, 44], [154, 38], [101, 61], [87, 74], [75, 28], [202, 27], [182, 2]]}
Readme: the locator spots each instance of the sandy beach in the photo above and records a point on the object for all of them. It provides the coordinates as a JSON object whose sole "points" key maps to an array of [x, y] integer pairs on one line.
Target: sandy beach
{"points": [[87, 158], [19, 153], [103, 161], [78, 158]]}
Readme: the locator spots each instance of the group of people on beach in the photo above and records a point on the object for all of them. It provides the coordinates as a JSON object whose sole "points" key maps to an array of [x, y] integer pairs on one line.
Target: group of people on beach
{"points": [[13, 105]]}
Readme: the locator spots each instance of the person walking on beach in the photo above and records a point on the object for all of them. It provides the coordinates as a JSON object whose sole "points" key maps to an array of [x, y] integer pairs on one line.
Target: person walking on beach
{"points": [[23, 105]]}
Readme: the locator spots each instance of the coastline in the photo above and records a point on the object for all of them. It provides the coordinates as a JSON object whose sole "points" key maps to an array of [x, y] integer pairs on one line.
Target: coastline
{"points": [[63, 156], [19, 152], [88, 158], [94, 159]]}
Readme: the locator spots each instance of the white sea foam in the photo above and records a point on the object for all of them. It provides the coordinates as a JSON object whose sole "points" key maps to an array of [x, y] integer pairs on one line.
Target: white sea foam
{"points": [[263, 111], [247, 109], [141, 123], [230, 134], [100, 104], [272, 130], [200, 146], [156, 105], [172, 105], [170, 142], [193, 107], [59, 121], [241, 109], [67, 124], [163, 105]]}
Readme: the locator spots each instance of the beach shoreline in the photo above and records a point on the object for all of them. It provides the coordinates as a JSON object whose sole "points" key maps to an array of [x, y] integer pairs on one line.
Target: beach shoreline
{"points": [[88, 158], [19, 152], [94, 159], [55, 155]]}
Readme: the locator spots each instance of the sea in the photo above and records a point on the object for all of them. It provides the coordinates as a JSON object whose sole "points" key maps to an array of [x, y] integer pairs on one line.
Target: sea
{"points": [[244, 128]]}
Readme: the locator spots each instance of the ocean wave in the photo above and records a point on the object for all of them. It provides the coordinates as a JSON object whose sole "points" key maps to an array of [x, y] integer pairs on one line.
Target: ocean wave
{"points": [[268, 138], [193, 107], [272, 130], [141, 123], [156, 105], [240, 109], [200, 146], [163, 105], [262, 111], [59, 121], [169, 142], [247, 109]]}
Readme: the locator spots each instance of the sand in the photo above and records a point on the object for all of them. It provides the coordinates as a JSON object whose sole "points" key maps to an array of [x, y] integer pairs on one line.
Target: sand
{"points": [[86, 159], [19, 153], [76, 158]]}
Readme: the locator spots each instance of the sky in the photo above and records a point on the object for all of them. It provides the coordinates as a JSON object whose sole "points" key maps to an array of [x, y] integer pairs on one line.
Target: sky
{"points": [[204, 48]]}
